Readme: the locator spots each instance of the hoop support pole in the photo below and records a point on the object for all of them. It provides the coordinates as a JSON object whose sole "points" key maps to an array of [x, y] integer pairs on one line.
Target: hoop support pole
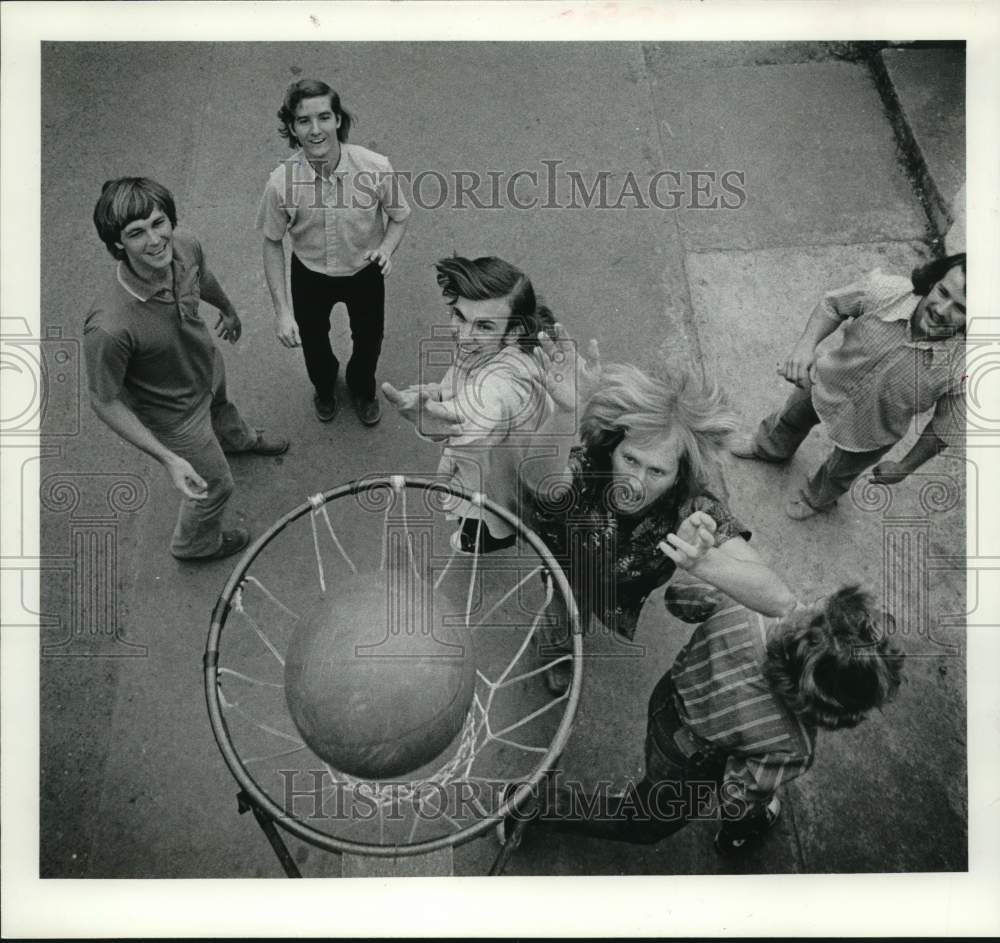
{"points": [[266, 824]]}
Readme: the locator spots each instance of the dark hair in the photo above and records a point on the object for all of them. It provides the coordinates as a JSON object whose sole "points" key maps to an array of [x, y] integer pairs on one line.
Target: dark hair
{"points": [[310, 88], [925, 277], [833, 667], [490, 277], [125, 200]]}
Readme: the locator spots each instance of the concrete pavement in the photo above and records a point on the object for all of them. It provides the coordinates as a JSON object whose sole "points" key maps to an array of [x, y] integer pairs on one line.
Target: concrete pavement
{"points": [[132, 783]]}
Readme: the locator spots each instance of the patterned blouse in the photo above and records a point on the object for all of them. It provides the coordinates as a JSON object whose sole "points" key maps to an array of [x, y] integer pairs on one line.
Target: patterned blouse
{"points": [[612, 562]]}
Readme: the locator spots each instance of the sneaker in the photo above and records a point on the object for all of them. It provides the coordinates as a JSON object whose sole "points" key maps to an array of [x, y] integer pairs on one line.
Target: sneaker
{"points": [[268, 446], [730, 841], [745, 446], [326, 407], [233, 541], [369, 411], [799, 509]]}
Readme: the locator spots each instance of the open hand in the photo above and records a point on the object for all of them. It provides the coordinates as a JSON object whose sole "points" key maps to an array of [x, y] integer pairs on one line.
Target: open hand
{"points": [[694, 538], [229, 327], [432, 418], [570, 378]]}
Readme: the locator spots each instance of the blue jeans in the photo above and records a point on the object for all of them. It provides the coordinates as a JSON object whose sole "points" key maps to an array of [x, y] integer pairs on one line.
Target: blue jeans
{"points": [[215, 427]]}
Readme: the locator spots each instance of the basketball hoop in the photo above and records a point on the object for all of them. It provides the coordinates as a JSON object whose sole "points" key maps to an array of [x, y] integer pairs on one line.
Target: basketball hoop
{"points": [[514, 729]]}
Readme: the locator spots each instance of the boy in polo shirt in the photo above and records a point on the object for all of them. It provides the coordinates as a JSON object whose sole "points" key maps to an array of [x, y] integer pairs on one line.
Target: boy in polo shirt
{"points": [[344, 216], [900, 353], [737, 716], [155, 376]]}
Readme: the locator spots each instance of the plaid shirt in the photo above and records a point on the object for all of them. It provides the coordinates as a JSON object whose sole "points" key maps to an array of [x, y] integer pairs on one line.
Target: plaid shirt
{"points": [[612, 562], [871, 384], [726, 703]]}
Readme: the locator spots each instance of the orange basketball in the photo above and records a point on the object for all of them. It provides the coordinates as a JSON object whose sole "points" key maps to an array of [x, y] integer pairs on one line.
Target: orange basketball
{"points": [[377, 680]]}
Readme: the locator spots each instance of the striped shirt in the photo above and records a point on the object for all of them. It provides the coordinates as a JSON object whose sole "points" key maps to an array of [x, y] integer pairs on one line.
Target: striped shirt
{"points": [[725, 701], [873, 377], [332, 223]]}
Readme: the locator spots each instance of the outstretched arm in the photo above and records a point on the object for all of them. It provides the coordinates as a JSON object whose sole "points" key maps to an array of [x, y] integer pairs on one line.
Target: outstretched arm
{"points": [[734, 567], [118, 417], [570, 379]]}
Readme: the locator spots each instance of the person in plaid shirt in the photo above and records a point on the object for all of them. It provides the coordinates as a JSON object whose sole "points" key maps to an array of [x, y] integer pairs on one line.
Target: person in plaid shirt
{"points": [[623, 509], [738, 712], [899, 353]]}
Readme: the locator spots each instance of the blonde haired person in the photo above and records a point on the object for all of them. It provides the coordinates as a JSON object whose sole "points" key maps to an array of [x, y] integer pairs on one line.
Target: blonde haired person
{"points": [[632, 502]]}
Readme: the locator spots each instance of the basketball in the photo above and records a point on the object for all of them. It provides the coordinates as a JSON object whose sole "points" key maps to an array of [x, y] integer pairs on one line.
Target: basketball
{"points": [[375, 680]]}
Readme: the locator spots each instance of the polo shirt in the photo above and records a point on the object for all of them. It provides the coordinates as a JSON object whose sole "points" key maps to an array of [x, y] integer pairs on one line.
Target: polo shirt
{"points": [[723, 698], [874, 376], [150, 346], [332, 223]]}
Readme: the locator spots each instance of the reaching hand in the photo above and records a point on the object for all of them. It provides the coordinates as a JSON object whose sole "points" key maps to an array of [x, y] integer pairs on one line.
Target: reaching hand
{"points": [[229, 327], [432, 418], [287, 330], [887, 473], [382, 258], [569, 377], [186, 480], [800, 367], [694, 538]]}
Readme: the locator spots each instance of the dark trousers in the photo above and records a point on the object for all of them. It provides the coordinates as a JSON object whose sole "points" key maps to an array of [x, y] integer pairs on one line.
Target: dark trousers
{"points": [[313, 298], [781, 433], [680, 781]]}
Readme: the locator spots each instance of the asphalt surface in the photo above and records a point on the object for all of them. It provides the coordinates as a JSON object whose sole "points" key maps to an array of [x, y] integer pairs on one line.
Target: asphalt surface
{"points": [[132, 783]]}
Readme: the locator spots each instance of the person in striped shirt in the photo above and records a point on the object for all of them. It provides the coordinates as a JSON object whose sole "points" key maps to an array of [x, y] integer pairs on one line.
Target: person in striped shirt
{"points": [[736, 717], [899, 353]]}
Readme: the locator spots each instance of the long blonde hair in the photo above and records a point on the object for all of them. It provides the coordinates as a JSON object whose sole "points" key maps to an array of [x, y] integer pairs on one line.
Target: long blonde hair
{"points": [[647, 405]]}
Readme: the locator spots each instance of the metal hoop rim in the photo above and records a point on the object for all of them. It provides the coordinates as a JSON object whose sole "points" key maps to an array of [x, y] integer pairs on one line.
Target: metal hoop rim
{"points": [[220, 730]]}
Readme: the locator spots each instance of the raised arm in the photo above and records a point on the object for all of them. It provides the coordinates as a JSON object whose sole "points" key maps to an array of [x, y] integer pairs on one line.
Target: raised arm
{"points": [[733, 567], [570, 378]]}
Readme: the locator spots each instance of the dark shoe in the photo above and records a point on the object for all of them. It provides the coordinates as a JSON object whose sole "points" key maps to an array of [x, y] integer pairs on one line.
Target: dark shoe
{"points": [[475, 537], [737, 837], [326, 407], [513, 824], [369, 411], [233, 541], [266, 446], [559, 677]]}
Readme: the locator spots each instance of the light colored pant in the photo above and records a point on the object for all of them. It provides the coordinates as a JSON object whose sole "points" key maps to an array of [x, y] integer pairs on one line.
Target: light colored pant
{"points": [[781, 433], [214, 428]]}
